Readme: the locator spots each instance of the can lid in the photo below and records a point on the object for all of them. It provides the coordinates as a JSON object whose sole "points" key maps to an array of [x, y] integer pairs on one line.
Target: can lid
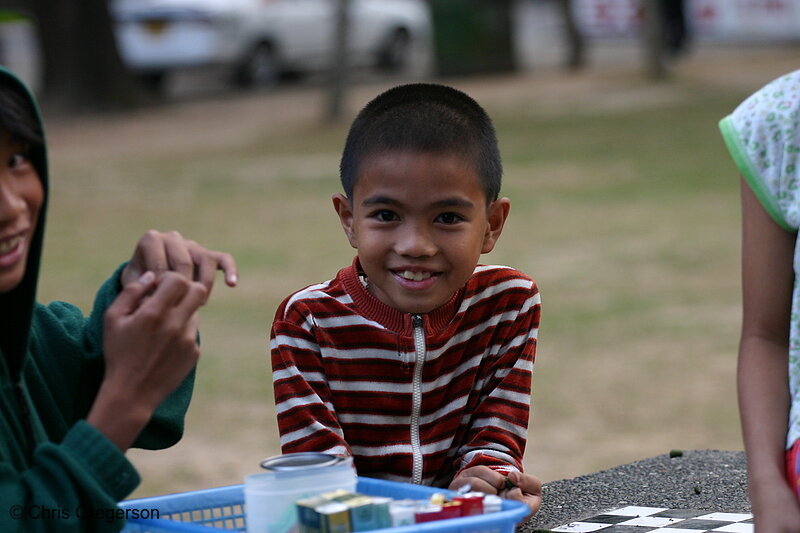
{"points": [[300, 461]]}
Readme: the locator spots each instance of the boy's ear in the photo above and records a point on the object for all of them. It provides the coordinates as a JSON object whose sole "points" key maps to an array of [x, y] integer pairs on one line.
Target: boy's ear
{"points": [[345, 211], [497, 213]]}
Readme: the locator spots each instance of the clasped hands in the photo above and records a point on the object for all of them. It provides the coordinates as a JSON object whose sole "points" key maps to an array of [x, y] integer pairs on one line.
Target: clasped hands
{"points": [[516, 486], [150, 330]]}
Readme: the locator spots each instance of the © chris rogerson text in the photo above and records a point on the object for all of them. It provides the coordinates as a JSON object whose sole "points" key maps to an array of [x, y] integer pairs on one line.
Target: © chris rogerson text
{"points": [[81, 512]]}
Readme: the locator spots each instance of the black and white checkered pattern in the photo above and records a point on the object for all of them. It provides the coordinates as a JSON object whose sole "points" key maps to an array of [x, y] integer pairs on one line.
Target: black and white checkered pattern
{"points": [[635, 519]]}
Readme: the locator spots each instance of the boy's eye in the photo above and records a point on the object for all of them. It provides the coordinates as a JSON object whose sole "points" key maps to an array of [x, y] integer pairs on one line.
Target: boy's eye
{"points": [[449, 218], [384, 215], [18, 161]]}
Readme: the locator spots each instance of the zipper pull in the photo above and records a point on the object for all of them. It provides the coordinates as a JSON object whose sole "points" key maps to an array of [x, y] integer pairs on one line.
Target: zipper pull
{"points": [[416, 321]]}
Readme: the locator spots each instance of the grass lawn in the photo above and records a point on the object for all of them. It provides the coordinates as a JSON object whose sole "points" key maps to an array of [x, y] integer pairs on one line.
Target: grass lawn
{"points": [[624, 209]]}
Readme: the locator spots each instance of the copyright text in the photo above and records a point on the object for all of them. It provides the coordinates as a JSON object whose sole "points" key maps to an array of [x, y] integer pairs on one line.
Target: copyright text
{"points": [[81, 512]]}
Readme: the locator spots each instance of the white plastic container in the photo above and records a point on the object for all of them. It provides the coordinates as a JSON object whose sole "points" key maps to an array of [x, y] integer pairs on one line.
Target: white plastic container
{"points": [[270, 496]]}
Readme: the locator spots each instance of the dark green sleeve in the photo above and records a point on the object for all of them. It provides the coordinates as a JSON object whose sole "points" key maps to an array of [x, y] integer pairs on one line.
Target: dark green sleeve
{"points": [[72, 486], [78, 371]]}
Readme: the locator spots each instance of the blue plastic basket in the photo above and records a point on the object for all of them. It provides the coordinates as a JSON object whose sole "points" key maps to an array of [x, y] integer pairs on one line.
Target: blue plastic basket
{"points": [[222, 509]]}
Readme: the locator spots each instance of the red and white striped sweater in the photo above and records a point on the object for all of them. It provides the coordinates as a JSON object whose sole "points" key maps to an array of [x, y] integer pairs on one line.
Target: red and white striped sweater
{"points": [[413, 398]]}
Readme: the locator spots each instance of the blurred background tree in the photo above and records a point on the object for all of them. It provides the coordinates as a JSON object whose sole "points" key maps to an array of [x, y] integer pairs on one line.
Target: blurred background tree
{"points": [[337, 85], [81, 65], [573, 38]]}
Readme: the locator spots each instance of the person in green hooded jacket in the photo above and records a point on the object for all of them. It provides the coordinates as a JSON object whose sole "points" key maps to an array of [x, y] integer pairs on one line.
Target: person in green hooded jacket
{"points": [[76, 392]]}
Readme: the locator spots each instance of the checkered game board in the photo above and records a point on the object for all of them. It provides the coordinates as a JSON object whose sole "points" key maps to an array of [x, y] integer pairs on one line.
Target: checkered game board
{"points": [[634, 519]]}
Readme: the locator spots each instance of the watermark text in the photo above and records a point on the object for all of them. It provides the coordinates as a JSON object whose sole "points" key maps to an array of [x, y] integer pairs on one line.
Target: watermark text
{"points": [[81, 512]]}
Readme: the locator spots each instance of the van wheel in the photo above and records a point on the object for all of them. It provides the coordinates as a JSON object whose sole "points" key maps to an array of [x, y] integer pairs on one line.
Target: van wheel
{"points": [[260, 68], [396, 53]]}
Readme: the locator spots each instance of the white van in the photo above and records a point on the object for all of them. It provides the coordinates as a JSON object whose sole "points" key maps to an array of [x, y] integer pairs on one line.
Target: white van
{"points": [[261, 39]]}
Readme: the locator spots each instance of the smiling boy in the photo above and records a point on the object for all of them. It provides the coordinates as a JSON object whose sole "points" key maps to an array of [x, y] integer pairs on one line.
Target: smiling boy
{"points": [[77, 392], [415, 360]]}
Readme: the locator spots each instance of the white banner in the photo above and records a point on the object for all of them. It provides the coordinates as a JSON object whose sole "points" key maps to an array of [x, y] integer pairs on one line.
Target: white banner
{"points": [[706, 19]]}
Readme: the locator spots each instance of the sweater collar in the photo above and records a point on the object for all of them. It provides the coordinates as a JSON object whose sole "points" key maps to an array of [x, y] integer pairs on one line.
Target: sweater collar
{"points": [[389, 317]]}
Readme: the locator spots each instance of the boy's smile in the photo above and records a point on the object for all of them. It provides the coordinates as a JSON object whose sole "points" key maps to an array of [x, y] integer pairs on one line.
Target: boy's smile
{"points": [[420, 222], [21, 198]]}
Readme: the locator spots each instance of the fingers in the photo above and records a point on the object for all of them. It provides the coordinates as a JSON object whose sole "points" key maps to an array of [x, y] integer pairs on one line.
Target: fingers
{"points": [[150, 253], [526, 488], [162, 252], [175, 292], [533, 501], [169, 299], [131, 296], [228, 266], [526, 482], [481, 478], [178, 256], [209, 262], [516, 486]]}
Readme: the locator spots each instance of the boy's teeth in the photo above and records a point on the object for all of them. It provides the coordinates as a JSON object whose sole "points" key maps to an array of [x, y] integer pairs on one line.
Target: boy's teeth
{"points": [[416, 276], [7, 246]]}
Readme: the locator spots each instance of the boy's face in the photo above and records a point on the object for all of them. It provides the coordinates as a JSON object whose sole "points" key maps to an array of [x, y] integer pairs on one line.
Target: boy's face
{"points": [[420, 222], [21, 197]]}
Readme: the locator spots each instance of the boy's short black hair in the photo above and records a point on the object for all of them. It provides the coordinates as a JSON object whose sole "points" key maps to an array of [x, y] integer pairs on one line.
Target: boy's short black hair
{"points": [[424, 117], [20, 121]]}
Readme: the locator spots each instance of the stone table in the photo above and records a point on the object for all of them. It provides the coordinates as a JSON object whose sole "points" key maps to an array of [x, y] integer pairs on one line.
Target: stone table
{"points": [[710, 480]]}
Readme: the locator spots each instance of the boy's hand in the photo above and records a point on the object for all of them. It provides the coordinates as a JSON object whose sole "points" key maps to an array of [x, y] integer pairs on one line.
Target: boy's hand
{"points": [[161, 252], [526, 488], [149, 346]]}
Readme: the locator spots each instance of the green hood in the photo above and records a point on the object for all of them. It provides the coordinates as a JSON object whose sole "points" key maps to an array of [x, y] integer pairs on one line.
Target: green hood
{"points": [[16, 306]]}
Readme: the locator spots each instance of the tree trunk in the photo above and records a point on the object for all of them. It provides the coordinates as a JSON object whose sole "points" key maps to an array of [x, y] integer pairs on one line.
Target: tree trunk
{"points": [[576, 56], [339, 66], [653, 39], [82, 68]]}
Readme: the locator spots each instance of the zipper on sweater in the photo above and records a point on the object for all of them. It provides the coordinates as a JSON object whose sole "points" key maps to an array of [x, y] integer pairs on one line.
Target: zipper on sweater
{"points": [[416, 398]]}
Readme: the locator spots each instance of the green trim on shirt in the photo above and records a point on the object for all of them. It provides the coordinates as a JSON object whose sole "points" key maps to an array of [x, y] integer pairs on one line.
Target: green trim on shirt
{"points": [[749, 173]]}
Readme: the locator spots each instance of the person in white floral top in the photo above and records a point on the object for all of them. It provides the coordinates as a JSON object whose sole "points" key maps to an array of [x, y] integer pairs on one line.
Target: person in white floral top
{"points": [[763, 137]]}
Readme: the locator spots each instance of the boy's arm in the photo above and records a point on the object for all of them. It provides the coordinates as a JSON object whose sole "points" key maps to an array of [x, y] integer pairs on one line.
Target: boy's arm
{"points": [[499, 425], [491, 459], [307, 419]]}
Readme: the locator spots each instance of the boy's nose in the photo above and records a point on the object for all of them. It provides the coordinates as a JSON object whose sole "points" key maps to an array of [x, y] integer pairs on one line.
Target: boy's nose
{"points": [[11, 203], [414, 241]]}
